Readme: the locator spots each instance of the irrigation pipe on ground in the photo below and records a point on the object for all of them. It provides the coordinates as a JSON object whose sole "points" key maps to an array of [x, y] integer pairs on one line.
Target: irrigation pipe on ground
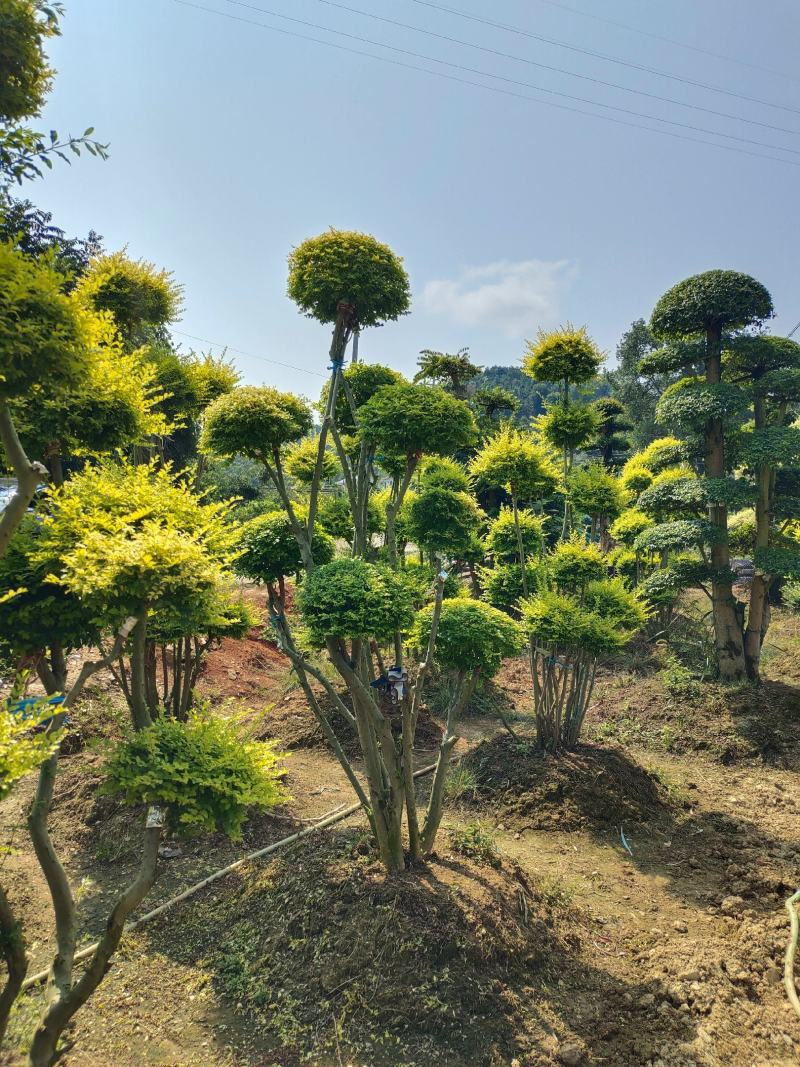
{"points": [[791, 950], [327, 820]]}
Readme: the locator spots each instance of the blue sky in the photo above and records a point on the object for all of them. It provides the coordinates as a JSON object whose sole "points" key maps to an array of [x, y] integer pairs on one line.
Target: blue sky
{"points": [[231, 143]]}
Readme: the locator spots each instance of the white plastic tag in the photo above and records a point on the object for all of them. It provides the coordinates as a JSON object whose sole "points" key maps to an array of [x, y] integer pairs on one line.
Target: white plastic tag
{"points": [[155, 817]]}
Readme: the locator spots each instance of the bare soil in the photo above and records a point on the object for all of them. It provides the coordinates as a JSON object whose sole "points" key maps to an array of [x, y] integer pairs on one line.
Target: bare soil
{"points": [[574, 947]]}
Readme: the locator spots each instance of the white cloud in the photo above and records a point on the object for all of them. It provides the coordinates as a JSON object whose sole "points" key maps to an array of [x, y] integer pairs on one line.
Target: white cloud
{"points": [[516, 297]]}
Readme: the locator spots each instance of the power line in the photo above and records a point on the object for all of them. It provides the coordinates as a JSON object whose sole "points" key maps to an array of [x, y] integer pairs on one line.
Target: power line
{"points": [[532, 63], [601, 55], [499, 77], [793, 330], [492, 88], [250, 355], [669, 40]]}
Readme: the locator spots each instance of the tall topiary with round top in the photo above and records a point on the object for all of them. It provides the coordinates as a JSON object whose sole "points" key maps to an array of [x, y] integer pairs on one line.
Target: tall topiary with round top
{"points": [[697, 318]]}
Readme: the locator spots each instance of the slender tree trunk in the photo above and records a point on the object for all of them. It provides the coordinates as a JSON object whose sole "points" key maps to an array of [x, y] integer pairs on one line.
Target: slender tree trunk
{"points": [[43, 1051], [28, 476], [759, 591], [727, 624], [12, 946], [138, 683]]}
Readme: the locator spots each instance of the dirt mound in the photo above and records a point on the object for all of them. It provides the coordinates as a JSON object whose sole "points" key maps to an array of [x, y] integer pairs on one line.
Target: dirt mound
{"points": [[330, 958], [591, 786]]}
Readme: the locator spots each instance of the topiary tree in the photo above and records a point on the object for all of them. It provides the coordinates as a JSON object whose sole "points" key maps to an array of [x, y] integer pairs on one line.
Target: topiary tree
{"points": [[493, 405], [269, 552], [513, 460], [444, 522], [45, 342], [569, 630], [502, 540], [612, 438], [452, 371], [593, 491], [568, 357], [301, 462], [699, 318], [140, 297], [470, 641]]}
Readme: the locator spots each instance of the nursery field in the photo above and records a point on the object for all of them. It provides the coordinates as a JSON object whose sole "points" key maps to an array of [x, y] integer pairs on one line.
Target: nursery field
{"points": [[536, 935]]}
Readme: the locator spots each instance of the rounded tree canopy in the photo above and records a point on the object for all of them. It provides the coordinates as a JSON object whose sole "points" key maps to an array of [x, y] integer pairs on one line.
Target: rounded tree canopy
{"points": [[502, 539], [444, 521], [594, 491], [362, 380], [714, 300], [629, 525], [352, 598], [611, 599], [573, 563], [270, 551], [411, 420], [560, 622], [568, 426], [25, 76], [254, 421], [45, 337], [135, 292], [690, 402], [438, 471], [301, 461], [472, 636], [662, 453], [336, 517], [345, 267], [515, 459], [565, 355], [503, 586]]}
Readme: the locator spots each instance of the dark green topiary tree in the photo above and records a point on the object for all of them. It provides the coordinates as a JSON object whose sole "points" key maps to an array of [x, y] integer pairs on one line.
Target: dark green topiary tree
{"points": [[612, 439], [453, 372], [699, 318]]}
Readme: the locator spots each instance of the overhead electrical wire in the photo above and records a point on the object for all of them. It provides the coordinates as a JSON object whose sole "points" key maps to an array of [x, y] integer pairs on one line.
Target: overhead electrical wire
{"points": [[497, 89], [669, 40], [536, 63], [249, 355], [601, 55]]}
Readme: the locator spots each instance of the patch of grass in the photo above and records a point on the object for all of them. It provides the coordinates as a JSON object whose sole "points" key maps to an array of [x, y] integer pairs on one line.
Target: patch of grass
{"points": [[476, 839], [678, 680], [460, 782], [669, 737], [668, 783], [624, 730], [557, 893]]}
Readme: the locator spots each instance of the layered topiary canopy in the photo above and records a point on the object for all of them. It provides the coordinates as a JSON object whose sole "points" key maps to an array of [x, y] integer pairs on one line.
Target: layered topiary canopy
{"points": [[565, 355], [716, 299]]}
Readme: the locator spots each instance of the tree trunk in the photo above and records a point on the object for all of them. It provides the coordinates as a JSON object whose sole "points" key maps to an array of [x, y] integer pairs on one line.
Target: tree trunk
{"points": [[138, 684], [759, 591], [12, 945], [28, 476], [727, 625], [43, 1051]]}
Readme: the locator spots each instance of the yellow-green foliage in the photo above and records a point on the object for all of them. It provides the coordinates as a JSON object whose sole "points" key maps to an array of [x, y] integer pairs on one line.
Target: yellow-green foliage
{"points": [[135, 292], [514, 460], [301, 461], [44, 335], [254, 421], [25, 75], [564, 355], [22, 746], [205, 774], [472, 636], [573, 563], [629, 525], [132, 536], [345, 266], [502, 541]]}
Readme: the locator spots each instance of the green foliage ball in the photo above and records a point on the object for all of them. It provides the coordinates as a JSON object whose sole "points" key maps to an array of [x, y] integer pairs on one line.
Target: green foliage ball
{"points": [[269, 549], [411, 420], [362, 380], [301, 461], [629, 525], [342, 266], [502, 584], [444, 521], [513, 459], [472, 636], [568, 427], [202, 771], [564, 355], [559, 622], [716, 299], [593, 490], [502, 541], [573, 563], [440, 472], [254, 421], [352, 598], [136, 293]]}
